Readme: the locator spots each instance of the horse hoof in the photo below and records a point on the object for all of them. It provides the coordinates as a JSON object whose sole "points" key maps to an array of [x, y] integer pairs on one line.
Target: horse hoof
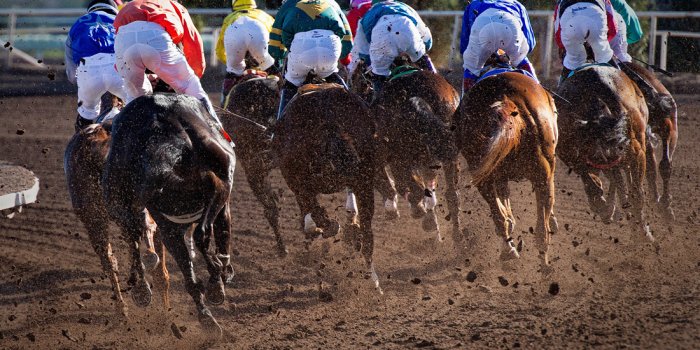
{"points": [[215, 293], [430, 222], [392, 215], [141, 294], [150, 260], [418, 211], [332, 230], [208, 322], [648, 234], [510, 252], [228, 274], [282, 250]]}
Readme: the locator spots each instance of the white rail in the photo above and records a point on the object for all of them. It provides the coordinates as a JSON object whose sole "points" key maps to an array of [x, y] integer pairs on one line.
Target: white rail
{"points": [[545, 38]]}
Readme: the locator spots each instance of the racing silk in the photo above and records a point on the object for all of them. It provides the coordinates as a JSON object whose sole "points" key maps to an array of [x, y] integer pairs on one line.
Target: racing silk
{"points": [[513, 7], [296, 16], [258, 15], [634, 28], [176, 21], [605, 5], [91, 34], [356, 14], [384, 8]]}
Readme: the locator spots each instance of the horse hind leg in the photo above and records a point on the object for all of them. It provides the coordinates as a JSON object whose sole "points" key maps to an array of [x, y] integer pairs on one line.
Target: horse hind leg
{"points": [[161, 277], [172, 238], [499, 213], [593, 187], [99, 239], [669, 137], [149, 257], [430, 222], [636, 171], [365, 196], [133, 228], [652, 171], [386, 187], [258, 179], [222, 238]]}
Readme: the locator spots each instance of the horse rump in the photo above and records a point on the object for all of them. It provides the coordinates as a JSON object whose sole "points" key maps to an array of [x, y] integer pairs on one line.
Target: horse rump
{"points": [[506, 131]]}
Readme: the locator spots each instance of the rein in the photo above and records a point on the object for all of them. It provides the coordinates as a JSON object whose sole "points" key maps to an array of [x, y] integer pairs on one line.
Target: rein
{"points": [[250, 121]]}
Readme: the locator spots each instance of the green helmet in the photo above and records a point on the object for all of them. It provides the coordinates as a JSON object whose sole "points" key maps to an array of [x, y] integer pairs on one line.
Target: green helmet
{"points": [[238, 5]]}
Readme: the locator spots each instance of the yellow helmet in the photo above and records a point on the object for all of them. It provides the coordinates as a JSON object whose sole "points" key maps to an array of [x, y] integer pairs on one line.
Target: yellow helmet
{"points": [[243, 4]]}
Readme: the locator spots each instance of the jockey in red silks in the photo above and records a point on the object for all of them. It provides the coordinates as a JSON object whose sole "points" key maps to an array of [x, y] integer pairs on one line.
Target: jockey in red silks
{"points": [[584, 21], [358, 8], [149, 33]]}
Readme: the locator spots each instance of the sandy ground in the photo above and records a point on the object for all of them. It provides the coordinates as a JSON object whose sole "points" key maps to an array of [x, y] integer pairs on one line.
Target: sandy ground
{"points": [[614, 290]]}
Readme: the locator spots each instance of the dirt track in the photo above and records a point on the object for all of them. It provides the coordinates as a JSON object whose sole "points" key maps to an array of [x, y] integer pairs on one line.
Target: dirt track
{"points": [[614, 290]]}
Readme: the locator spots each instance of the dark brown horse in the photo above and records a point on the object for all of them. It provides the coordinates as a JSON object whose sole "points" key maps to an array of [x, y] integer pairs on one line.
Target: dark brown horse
{"points": [[327, 147], [603, 123], [253, 103], [167, 156], [663, 121], [84, 160], [506, 128], [414, 114]]}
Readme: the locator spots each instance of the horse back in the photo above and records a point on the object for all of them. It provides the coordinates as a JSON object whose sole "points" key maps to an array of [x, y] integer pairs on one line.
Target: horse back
{"points": [[433, 88]]}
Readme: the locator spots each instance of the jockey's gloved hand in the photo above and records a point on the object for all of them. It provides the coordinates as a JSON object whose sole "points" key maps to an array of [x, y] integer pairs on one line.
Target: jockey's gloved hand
{"points": [[346, 60]]}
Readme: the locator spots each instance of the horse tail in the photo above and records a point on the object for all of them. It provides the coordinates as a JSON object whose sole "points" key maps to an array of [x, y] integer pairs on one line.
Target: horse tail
{"points": [[504, 139]]}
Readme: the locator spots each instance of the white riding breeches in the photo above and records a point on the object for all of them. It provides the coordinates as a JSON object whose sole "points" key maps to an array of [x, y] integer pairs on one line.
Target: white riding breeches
{"points": [[144, 45], [619, 42], [392, 36], [584, 23], [315, 51], [246, 35], [96, 75], [492, 30]]}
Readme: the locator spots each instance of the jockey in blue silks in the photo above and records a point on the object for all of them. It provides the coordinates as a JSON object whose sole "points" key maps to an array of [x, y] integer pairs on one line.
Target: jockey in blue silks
{"points": [[489, 25], [90, 59]]}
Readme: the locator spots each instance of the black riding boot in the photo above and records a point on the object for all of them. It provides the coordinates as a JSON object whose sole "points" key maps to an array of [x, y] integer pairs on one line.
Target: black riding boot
{"points": [[273, 70], [425, 63], [81, 123], [378, 82], [230, 81], [286, 93], [337, 79]]}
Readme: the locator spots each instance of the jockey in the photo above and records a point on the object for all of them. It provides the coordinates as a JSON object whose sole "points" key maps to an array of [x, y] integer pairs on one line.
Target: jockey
{"points": [[389, 29], [317, 35], [90, 59], [245, 31], [490, 25], [629, 30], [358, 9], [584, 21], [148, 35]]}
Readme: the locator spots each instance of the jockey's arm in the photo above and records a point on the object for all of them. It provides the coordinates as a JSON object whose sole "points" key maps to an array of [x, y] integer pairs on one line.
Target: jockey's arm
{"points": [[276, 48], [193, 47], [70, 65], [424, 32], [345, 34], [220, 48]]}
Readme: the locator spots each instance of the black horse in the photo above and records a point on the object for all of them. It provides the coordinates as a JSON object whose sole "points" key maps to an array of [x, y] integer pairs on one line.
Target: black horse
{"points": [[167, 157]]}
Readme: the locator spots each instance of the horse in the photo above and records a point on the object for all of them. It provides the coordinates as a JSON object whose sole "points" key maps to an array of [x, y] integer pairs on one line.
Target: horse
{"points": [[663, 121], [83, 161], [414, 112], [604, 130], [168, 156], [323, 149], [252, 104], [506, 129]]}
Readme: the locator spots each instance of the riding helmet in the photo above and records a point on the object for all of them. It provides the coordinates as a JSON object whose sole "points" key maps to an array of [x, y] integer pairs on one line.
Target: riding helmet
{"points": [[103, 5], [243, 4]]}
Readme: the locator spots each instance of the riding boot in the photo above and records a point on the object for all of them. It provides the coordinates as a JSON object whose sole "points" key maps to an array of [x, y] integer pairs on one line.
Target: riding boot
{"points": [[564, 74], [378, 82], [230, 81], [426, 63], [81, 123], [273, 70], [613, 62], [467, 84], [286, 93], [335, 78]]}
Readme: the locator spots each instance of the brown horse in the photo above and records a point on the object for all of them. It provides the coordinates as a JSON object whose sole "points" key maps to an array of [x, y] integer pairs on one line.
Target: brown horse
{"points": [[663, 121], [83, 164], [322, 148], [167, 156], [253, 103], [414, 112], [506, 128], [604, 130]]}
